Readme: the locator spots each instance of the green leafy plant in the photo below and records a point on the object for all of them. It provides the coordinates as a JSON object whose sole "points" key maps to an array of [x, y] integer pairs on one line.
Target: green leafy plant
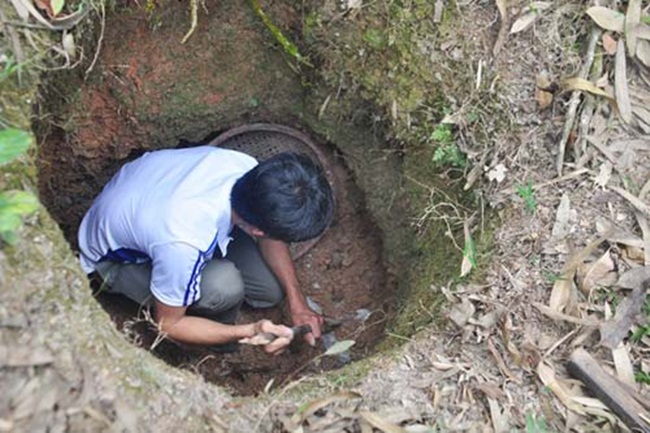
{"points": [[644, 330], [527, 194], [14, 205], [550, 276], [446, 153], [535, 424], [642, 377], [442, 134], [449, 155]]}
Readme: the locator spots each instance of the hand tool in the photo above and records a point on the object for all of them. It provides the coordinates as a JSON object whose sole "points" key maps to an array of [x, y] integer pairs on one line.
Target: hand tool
{"points": [[264, 338]]}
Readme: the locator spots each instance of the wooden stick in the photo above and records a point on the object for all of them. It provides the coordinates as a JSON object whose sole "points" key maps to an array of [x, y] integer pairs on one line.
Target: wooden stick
{"points": [[609, 390]]}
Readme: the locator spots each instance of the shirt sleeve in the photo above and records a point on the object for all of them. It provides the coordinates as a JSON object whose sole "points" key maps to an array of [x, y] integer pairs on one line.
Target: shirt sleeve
{"points": [[176, 274]]}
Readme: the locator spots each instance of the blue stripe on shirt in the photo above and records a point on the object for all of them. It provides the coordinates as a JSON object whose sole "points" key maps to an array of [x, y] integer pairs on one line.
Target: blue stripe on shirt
{"points": [[199, 265], [125, 255], [191, 285]]}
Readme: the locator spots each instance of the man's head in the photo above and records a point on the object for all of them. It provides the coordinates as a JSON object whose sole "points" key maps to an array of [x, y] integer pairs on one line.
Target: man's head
{"points": [[287, 197]]}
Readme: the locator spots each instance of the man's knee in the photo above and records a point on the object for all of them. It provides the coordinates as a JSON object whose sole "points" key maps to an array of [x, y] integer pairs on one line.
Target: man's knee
{"points": [[266, 295], [222, 285]]}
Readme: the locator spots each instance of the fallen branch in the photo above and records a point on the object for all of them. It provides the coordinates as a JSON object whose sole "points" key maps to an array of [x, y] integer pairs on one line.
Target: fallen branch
{"points": [[574, 102], [609, 390], [613, 331], [555, 315]]}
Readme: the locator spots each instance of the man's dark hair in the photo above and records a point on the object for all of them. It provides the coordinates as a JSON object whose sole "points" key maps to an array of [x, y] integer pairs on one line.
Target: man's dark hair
{"points": [[286, 196]]}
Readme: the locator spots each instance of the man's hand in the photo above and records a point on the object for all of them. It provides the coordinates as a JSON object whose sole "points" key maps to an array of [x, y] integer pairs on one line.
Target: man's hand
{"points": [[284, 334], [303, 315]]}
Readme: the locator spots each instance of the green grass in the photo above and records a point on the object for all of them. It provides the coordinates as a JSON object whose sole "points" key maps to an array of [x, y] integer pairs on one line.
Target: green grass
{"points": [[527, 194]]}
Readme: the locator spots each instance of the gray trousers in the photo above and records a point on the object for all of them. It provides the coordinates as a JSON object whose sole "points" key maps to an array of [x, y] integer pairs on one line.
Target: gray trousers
{"points": [[225, 282]]}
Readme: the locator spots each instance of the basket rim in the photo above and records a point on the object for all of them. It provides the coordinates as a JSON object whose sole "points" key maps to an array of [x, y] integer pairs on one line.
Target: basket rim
{"points": [[270, 127], [301, 248]]}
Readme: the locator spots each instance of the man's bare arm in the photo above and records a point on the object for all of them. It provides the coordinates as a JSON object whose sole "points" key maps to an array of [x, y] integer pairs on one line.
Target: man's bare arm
{"points": [[197, 330], [278, 258]]}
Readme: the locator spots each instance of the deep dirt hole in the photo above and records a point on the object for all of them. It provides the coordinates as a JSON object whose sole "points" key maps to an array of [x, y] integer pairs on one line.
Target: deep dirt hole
{"points": [[148, 92]]}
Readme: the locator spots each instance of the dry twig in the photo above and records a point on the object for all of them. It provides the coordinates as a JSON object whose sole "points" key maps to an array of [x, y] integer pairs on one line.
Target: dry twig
{"points": [[101, 38], [574, 102]]}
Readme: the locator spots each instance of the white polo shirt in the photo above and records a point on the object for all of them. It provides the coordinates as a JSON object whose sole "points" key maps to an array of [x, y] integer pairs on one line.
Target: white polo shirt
{"points": [[170, 207]]}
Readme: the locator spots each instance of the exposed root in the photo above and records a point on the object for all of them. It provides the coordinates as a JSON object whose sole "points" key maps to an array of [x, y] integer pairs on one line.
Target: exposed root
{"points": [[194, 14]]}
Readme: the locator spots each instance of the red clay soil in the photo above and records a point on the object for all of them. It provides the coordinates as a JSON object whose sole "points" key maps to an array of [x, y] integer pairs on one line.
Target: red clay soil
{"points": [[113, 120]]}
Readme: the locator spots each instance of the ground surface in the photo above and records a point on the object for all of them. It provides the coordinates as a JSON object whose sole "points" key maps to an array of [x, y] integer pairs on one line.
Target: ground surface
{"points": [[496, 361]]}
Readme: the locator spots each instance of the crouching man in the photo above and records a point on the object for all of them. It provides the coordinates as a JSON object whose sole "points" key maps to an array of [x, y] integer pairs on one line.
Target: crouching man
{"points": [[196, 232]]}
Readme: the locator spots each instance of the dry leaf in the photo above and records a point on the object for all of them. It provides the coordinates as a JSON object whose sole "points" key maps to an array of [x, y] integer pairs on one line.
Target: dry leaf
{"points": [[562, 215], [607, 19], [544, 98], [438, 10], [500, 421], [380, 423], [460, 313], [643, 52], [561, 293], [45, 5], [633, 254], [339, 347], [523, 22], [617, 235], [547, 375], [632, 19], [320, 403], [498, 173], [587, 86], [557, 242], [21, 10], [645, 229], [623, 365], [604, 174], [609, 44], [643, 31], [469, 252], [601, 273], [620, 84], [529, 16], [355, 4], [68, 45], [634, 278]]}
